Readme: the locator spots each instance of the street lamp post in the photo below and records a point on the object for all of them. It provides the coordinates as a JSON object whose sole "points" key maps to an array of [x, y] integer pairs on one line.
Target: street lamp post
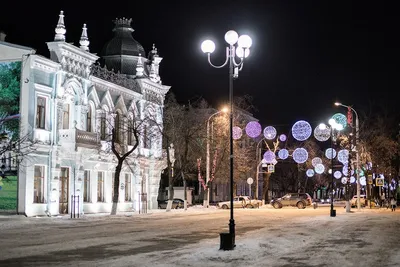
{"points": [[357, 153], [334, 126], [206, 201], [241, 51]]}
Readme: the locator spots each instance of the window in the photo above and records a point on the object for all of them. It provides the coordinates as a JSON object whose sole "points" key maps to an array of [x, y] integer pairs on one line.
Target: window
{"points": [[103, 127], [66, 116], [112, 186], [128, 187], [130, 134], [117, 127], [89, 120], [41, 112], [38, 185], [86, 186], [100, 187], [145, 138]]}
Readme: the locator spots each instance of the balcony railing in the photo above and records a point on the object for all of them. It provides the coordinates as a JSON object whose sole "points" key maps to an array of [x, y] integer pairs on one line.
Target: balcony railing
{"points": [[79, 137]]}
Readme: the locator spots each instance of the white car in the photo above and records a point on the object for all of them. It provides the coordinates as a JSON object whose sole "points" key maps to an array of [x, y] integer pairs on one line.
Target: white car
{"points": [[240, 202], [354, 200]]}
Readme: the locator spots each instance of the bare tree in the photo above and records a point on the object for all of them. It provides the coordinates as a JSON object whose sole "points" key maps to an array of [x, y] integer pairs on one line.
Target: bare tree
{"points": [[183, 126], [122, 139]]}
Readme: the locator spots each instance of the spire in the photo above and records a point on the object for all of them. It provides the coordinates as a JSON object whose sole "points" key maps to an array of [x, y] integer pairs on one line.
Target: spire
{"points": [[60, 29], [84, 42], [139, 66]]}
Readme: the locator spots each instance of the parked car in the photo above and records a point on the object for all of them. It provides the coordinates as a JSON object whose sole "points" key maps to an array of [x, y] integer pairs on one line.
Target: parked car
{"points": [[299, 200], [177, 203], [354, 200], [240, 202]]}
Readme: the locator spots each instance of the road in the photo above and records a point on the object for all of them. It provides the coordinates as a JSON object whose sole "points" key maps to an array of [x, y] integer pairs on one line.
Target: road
{"points": [[61, 241]]}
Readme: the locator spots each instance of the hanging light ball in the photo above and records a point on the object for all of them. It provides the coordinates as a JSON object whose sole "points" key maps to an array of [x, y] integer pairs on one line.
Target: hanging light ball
{"points": [[253, 129], [269, 156], [340, 119], [310, 172], [352, 179], [282, 137], [343, 156], [316, 161], [236, 132], [300, 155], [344, 180], [283, 153], [363, 181], [319, 168], [337, 174], [301, 130], [330, 153], [322, 134], [269, 132], [345, 169]]}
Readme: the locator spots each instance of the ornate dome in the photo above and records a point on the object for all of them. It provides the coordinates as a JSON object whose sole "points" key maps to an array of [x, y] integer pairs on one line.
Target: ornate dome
{"points": [[122, 51], [123, 43]]}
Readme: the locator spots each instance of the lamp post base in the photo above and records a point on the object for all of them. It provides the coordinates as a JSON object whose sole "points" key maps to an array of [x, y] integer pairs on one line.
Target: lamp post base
{"points": [[227, 241], [333, 213]]}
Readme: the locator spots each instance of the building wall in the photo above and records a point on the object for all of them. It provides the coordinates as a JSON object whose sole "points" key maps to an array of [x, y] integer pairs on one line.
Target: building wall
{"points": [[57, 148]]}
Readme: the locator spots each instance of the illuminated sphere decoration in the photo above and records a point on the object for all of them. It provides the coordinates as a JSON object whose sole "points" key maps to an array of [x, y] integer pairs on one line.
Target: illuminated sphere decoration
{"points": [[301, 130], [340, 119], [253, 129], [330, 153], [344, 180], [319, 168], [322, 135], [352, 179], [283, 153], [269, 156], [300, 155], [269, 132], [282, 138], [337, 174], [316, 161], [345, 169], [310, 172], [343, 156], [236, 132], [363, 181]]}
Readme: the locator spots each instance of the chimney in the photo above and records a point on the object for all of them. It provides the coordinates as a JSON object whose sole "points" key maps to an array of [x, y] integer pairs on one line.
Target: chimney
{"points": [[2, 36]]}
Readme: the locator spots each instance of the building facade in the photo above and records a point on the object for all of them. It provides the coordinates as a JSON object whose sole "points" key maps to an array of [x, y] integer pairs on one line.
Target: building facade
{"points": [[69, 105]]}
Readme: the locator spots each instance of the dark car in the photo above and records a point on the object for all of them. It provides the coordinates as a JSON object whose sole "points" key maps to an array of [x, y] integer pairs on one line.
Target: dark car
{"points": [[177, 203], [299, 200]]}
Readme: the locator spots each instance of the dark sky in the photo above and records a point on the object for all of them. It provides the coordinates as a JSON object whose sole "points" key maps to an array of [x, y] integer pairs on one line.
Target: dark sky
{"points": [[305, 54]]}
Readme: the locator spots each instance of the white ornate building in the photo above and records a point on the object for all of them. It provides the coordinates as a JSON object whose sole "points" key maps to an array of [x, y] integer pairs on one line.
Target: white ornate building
{"points": [[65, 103]]}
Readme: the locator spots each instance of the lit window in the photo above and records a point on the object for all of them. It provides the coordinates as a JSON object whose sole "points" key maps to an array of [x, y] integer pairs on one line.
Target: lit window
{"points": [[100, 187], [117, 127], [103, 127], [86, 187], [38, 185], [89, 120], [128, 187], [66, 116], [41, 112]]}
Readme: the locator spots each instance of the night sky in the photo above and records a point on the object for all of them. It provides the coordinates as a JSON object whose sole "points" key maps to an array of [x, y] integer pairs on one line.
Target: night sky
{"points": [[305, 55]]}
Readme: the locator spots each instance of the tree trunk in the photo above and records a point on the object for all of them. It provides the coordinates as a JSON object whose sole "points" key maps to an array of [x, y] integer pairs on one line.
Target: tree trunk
{"points": [[116, 187], [170, 181], [265, 188]]}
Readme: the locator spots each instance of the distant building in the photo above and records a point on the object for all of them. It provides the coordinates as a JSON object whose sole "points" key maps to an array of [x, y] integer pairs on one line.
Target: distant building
{"points": [[65, 100]]}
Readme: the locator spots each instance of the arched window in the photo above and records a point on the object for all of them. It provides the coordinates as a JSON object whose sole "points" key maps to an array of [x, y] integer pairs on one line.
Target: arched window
{"points": [[103, 126], [117, 127], [89, 120], [66, 116]]}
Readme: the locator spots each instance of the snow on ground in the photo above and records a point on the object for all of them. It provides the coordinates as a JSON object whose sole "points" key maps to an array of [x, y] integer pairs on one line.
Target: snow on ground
{"points": [[368, 237]]}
